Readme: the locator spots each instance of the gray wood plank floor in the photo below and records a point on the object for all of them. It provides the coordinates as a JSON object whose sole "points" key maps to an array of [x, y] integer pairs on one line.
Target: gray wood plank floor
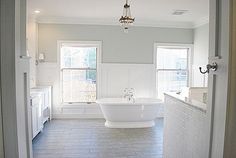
{"points": [[88, 138]]}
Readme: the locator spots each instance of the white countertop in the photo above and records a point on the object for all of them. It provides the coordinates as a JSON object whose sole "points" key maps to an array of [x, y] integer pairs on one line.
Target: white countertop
{"points": [[193, 103], [34, 95]]}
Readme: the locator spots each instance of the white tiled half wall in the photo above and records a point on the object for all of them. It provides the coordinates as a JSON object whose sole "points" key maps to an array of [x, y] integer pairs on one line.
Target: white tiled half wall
{"points": [[185, 130]]}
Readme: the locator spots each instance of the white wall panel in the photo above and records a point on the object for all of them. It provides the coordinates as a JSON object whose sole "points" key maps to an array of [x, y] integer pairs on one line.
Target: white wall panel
{"points": [[117, 77], [114, 79]]}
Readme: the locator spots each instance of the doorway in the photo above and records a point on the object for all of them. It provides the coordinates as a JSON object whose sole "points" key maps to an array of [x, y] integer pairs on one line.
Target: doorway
{"points": [[218, 80]]}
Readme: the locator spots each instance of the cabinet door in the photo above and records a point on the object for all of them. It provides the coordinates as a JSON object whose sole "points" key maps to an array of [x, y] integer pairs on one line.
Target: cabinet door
{"points": [[45, 109], [39, 118], [34, 121], [46, 99]]}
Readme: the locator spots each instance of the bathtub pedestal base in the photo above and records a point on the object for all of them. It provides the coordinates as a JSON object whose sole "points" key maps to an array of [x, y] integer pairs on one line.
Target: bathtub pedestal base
{"points": [[143, 124]]}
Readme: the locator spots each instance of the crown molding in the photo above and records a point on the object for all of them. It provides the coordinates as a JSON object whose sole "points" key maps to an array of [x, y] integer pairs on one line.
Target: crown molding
{"points": [[32, 19], [200, 22], [144, 23]]}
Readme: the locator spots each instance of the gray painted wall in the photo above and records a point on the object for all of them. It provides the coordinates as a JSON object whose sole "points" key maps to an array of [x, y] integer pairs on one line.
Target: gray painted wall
{"points": [[201, 44], [118, 47], [200, 56]]}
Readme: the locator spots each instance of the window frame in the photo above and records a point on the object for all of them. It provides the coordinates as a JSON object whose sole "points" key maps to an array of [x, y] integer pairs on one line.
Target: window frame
{"points": [[189, 61], [98, 45]]}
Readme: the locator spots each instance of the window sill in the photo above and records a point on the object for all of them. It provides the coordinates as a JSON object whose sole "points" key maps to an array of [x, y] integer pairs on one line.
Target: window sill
{"points": [[76, 105]]}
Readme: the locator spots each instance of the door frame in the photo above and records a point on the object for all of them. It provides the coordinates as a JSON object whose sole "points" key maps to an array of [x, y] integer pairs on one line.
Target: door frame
{"points": [[8, 50], [219, 81], [1, 121], [13, 96], [8, 86], [230, 129]]}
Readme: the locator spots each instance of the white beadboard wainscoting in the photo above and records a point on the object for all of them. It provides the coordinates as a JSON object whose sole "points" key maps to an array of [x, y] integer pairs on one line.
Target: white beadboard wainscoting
{"points": [[116, 77], [185, 129], [113, 79]]}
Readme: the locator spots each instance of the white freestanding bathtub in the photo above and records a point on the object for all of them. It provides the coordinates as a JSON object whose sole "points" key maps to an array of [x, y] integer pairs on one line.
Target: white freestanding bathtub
{"points": [[121, 113]]}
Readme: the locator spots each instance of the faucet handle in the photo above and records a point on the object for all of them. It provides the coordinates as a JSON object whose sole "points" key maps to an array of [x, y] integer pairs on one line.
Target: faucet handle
{"points": [[131, 90]]}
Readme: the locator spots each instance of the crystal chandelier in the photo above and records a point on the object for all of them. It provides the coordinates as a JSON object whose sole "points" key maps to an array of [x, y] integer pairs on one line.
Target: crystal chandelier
{"points": [[126, 20]]}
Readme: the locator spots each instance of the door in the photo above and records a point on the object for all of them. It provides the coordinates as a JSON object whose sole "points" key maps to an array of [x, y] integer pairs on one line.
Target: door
{"points": [[1, 130], [34, 120], [218, 80]]}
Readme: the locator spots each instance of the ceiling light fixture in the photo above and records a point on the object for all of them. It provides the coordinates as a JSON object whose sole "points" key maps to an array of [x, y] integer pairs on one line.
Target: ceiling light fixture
{"points": [[37, 11], [126, 19]]}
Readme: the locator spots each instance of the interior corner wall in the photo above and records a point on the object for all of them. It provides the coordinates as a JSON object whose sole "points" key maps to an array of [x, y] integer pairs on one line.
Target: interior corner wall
{"points": [[32, 48], [200, 56], [117, 47]]}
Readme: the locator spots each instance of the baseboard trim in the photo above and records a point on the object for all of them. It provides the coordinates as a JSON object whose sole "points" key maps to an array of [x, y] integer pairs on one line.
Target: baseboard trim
{"points": [[78, 116]]}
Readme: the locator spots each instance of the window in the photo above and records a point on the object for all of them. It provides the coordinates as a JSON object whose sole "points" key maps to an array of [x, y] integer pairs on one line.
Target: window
{"points": [[172, 72], [78, 66]]}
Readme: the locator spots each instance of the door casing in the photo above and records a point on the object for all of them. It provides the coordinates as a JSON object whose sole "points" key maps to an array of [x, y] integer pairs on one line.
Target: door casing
{"points": [[218, 81], [8, 89], [13, 101], [230, 130], [1, 119]]}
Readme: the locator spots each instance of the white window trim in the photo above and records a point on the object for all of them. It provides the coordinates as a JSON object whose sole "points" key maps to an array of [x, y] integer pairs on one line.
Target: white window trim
{"points": [[97, 44], [171, 45]]}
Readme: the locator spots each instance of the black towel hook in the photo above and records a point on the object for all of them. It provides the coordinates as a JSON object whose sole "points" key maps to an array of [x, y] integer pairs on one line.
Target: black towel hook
{"points": [[209, 67]]}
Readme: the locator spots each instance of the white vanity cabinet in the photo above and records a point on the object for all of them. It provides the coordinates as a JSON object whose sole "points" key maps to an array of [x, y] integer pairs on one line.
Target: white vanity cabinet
{"points": [[41, 107], [47, 106], [47, 101], [36, 115]]}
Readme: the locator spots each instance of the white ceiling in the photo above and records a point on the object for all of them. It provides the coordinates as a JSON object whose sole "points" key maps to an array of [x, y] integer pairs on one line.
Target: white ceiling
{"points": [[146, 12]]}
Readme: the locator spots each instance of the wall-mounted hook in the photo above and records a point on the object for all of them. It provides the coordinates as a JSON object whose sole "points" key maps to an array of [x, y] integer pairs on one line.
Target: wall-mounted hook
{"points": [[203, 72], [209, 67]]}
